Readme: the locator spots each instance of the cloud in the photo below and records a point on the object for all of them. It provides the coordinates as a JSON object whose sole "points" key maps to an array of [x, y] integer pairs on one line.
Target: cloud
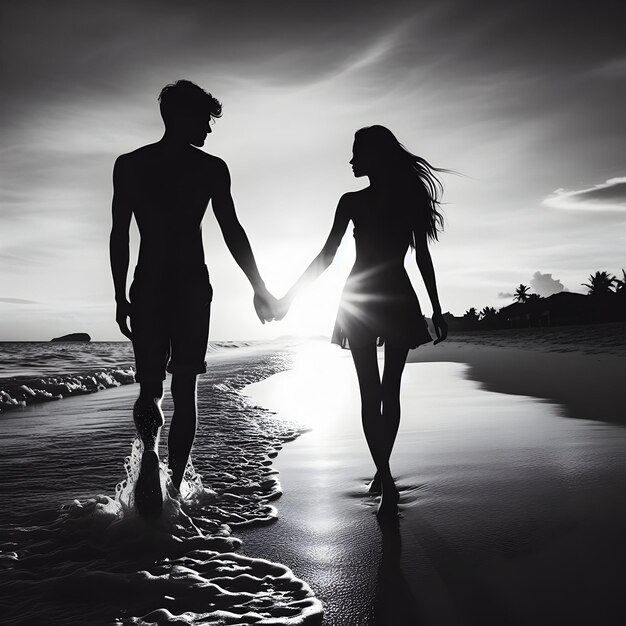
{"points": [[545, 285], [615, 68], [18, 301], [541, 284], [297, 79], [610, 196]]}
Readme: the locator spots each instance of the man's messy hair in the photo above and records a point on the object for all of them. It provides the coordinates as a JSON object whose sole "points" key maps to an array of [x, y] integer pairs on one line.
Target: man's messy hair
{"points": [[184, 98]]}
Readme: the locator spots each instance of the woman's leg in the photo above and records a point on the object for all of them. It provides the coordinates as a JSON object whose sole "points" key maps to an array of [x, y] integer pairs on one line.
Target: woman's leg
{"points": [[395, 359], [376, 433]]}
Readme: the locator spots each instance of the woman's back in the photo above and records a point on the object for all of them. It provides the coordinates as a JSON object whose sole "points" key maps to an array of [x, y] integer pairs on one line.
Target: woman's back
{"points": [[382, 232]]}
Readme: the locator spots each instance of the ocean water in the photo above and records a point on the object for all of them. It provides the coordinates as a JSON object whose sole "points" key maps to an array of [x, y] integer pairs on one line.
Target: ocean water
{"points": [[35, 372], [72, 548]]}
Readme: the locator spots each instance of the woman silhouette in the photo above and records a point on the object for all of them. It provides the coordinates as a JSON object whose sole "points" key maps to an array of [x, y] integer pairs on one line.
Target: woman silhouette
{"points": [[378, 304]]}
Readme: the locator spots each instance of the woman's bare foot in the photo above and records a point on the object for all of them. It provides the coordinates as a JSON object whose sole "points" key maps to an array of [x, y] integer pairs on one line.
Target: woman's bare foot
{"points": [[148, 496], [388, 506], [375, 486]]}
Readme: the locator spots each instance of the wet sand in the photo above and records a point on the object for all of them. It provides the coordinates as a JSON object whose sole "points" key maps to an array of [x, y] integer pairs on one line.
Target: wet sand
{"points": [[511, 512], [584, 384]]}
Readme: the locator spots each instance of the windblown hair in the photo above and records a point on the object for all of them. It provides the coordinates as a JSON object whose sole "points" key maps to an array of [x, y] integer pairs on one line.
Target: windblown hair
{"points": [[414, 177], [184, 98]]}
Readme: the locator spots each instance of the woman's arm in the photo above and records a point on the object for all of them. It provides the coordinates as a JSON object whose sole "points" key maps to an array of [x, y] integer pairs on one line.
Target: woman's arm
{"points": [[327, 253], [425, 265]]}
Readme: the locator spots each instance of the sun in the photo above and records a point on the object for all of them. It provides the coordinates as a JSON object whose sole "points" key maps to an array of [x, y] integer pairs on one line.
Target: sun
{"points": [[313, 312]]}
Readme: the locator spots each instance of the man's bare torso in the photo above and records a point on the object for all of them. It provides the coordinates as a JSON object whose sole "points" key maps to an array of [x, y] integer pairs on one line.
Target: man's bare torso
{"points": [[169, 191]]}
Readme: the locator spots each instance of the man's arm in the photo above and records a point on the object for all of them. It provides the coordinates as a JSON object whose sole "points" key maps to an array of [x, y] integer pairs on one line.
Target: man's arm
{"points": [[119, 244], [238, 243]]}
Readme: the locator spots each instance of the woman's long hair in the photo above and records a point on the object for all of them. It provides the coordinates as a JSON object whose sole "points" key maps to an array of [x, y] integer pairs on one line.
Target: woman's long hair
{"points": [[414, 180]]}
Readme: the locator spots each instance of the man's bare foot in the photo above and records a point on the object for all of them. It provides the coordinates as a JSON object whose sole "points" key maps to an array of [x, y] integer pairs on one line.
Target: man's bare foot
{"points": [[177, 477], [148, 496], [375, 486], [388, 506]]}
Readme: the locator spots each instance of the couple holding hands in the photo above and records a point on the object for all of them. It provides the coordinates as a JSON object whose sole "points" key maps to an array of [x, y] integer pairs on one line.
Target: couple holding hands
{"points": [[168, 185]]}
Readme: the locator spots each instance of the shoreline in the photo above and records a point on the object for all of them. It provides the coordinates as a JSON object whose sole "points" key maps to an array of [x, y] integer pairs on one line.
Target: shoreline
{"points": [[70, 525], [506, 505], [600, 338], [587, 386]]}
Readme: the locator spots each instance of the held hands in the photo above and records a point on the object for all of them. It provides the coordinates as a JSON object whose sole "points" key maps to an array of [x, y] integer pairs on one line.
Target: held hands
{"points": [[441, 327], [264, 303], [282, 307], [268, 308]]}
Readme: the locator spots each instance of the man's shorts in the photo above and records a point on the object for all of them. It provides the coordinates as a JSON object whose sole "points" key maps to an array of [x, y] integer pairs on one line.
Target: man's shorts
{"points": [[170, 312]]}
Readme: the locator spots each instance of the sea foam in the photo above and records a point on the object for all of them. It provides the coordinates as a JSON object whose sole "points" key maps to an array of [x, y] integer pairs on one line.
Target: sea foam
{"points": [[94, 560]]}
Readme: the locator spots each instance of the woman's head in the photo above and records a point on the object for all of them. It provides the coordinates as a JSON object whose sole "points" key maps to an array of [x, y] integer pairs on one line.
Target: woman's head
{"points": [[377, 153]]}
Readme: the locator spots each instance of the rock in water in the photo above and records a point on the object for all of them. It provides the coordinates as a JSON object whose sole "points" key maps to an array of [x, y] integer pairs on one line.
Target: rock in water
{"points": [[73, 337]]}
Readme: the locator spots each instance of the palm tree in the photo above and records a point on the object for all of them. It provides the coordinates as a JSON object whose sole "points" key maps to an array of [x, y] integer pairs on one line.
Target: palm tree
{"points": [[600, 284], [488, 314], [620, 284], [521, 293], [471, 315]]}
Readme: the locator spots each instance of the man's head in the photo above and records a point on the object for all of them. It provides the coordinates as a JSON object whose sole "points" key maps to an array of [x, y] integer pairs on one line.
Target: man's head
{"points": [[187, 111]]}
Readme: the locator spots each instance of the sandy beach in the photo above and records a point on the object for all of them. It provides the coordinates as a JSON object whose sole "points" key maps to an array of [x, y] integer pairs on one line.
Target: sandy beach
{"points": [[510, 463], [512, 512], [582, 382]]}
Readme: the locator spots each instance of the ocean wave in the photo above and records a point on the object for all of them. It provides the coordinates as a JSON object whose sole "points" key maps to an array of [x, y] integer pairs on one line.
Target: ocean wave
{"points": [[24, 390], [218, 346], [93, 367], [95, 561]]}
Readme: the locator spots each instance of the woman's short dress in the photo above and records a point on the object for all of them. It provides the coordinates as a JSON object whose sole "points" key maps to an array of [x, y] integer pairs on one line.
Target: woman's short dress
{"points": [[378, 302]]}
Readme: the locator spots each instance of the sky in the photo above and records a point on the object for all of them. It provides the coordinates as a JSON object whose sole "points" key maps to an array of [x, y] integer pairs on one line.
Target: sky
{"points": [[523, 99]]}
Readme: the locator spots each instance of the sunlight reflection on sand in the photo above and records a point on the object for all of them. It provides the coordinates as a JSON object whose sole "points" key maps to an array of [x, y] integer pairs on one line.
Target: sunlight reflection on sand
{"points": [[501, 496]]}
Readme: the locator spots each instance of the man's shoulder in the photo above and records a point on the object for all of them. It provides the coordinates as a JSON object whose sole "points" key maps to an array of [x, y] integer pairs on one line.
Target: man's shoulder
{"points": [[214, 168], [210, 160], [133, 158], [138, 153], [149, 156]]}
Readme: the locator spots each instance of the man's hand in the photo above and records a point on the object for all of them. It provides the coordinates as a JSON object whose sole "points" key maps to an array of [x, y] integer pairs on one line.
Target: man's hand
{"points": [[122, 313], [265, 305], [441, 327]]}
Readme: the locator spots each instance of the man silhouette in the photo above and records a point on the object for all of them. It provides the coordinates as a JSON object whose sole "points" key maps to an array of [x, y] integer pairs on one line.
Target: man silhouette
{"points": [[167, 186]]}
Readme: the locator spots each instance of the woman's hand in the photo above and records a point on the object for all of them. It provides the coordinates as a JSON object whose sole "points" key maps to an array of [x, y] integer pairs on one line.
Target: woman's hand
{"points": [[282, 307], [441, 327]]}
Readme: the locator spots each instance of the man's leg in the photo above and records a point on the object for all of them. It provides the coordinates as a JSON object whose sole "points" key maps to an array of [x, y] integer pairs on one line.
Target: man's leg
{"points": [[149, 419], [191, 313], [183, 426], [148, 415]]}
